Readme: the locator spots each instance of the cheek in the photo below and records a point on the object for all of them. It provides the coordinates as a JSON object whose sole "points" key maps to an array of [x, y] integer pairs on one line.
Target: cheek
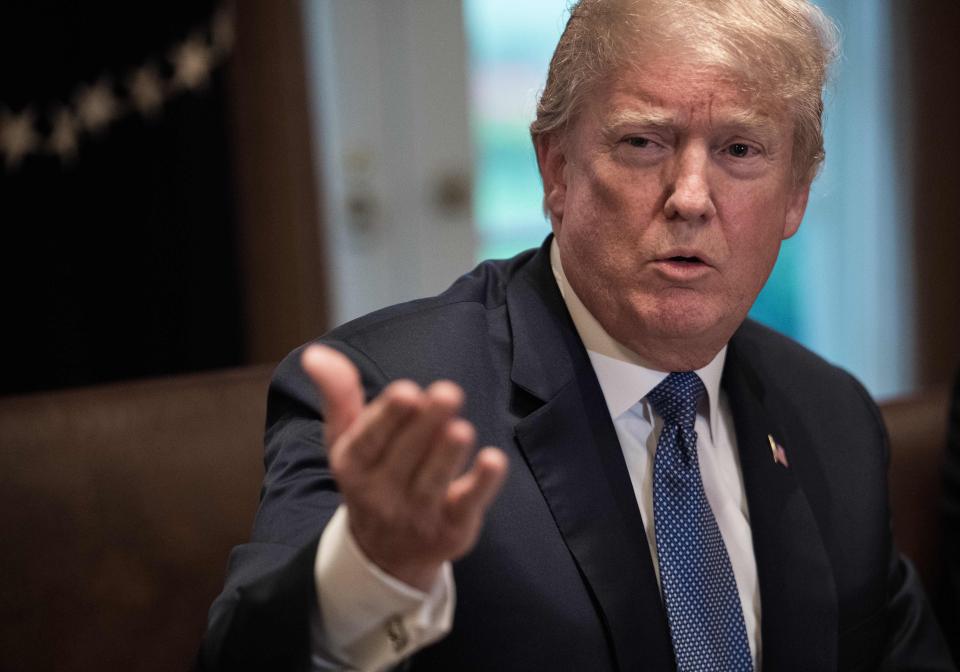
{"points": [[754, 220], [634, 195], [596, 240], [753, 226], [610, 192], [615, 203], [754, 252]]}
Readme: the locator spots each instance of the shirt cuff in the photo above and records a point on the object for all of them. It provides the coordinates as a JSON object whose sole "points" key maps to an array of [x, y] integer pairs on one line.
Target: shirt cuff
{"points": [[368, 619]]}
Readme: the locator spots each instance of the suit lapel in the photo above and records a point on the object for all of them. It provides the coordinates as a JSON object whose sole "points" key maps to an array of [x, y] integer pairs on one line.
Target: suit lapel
{"points": [[797, 588], [572, 449]]}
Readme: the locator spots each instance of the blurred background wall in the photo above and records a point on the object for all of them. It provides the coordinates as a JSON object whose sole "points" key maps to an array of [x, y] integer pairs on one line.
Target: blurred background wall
{"points": [[214, 184]]}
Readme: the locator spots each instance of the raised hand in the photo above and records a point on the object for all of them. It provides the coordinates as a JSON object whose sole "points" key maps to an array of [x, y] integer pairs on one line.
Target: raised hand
{"points": [[399, 463]]}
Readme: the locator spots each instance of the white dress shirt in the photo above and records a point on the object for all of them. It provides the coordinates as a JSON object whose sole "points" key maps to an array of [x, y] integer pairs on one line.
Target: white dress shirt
{"points": [[370, 621]]}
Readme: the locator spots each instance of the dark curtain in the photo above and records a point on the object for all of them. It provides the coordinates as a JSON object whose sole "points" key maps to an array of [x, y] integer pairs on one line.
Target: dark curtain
{"points": [[118, 256]]}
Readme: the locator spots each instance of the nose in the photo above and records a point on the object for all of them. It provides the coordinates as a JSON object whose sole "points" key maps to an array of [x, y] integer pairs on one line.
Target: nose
{"points": [[688, 187]]}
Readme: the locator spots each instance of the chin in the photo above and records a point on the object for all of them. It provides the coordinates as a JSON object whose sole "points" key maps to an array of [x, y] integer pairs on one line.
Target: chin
{"points": [[683, 320], [678, 337]]}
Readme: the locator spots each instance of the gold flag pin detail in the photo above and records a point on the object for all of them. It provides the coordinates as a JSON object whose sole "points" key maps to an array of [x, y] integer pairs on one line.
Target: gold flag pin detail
{"points": [[777, 451]]}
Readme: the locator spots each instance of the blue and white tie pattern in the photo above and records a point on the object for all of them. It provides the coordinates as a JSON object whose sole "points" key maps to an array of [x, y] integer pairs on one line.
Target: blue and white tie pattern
{"points": [[699, 588]]}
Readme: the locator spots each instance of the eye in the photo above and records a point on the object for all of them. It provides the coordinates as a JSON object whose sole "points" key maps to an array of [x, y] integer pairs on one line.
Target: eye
{"points": [[638, 142], [641, 150], [739, 150]]}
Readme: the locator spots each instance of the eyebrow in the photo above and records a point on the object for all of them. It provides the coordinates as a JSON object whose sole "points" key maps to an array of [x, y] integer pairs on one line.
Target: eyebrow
{"points": [[650, 118], [750, 120]]}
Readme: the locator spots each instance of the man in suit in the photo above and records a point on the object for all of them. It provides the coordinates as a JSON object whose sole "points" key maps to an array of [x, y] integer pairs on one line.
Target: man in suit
{"points": [[686, 490]]}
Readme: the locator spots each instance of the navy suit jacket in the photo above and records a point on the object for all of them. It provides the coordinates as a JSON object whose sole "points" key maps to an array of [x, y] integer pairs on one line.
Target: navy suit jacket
{"points": [[561, 577]]}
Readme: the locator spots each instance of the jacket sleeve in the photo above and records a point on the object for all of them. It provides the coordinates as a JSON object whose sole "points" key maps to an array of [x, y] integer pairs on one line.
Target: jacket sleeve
{"points": [[914, 640]]}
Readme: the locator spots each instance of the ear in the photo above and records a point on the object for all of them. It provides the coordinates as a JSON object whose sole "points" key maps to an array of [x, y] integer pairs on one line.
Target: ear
{"points": [[552, 161], [795, 209]]}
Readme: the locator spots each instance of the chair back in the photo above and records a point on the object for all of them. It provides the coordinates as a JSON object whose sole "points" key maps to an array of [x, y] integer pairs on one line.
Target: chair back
{"points": [[917, 426], [118, 508]]}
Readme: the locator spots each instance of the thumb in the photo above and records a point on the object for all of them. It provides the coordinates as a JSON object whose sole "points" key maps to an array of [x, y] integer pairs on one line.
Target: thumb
{"points": [[337, 380]]}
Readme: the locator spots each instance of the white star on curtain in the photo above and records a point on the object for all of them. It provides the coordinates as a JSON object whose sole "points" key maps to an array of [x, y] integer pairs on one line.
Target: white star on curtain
{"points": [[18, 136], [192, 62], [146, 90], [63, 139], [97, 106]]}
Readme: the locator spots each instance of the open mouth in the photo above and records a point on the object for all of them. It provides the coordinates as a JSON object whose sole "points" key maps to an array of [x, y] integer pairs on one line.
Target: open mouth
{"points": [[683, 268]]}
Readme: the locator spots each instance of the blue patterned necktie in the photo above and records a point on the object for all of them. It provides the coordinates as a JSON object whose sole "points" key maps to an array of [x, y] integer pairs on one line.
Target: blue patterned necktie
{"points": [[699, 589]]}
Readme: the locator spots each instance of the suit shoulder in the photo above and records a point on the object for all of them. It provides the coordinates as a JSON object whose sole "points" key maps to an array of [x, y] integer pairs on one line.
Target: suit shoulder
{"points": [[426, 339], [798, 372]]}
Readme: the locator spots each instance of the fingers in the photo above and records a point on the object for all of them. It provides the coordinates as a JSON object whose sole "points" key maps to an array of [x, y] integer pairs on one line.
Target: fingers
{"points": [[469, 496], [425, 434], [338, 382], [443, 463], [405, 429], [364, 442]]}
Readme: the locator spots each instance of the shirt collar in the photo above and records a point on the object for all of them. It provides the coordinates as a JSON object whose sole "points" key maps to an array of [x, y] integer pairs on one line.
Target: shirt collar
{"points": [[623, 378]]}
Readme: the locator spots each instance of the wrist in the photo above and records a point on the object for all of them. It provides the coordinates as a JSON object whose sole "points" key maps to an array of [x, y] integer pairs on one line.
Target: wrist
{"points": [[419, 576]]}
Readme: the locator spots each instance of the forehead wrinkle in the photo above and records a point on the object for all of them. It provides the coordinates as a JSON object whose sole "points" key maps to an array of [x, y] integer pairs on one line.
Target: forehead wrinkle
{"points": [[748, 119]]}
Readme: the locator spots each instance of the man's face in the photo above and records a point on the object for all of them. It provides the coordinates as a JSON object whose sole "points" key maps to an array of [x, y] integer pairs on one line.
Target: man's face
{"points": [[669, 197]]}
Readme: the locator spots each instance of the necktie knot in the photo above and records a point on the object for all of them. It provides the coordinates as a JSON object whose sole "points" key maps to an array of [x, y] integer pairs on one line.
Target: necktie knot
{"points": [[675, 399]]}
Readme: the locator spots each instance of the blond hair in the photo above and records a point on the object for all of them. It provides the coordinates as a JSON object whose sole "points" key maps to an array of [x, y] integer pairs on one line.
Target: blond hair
{"points": [[778, 50]]}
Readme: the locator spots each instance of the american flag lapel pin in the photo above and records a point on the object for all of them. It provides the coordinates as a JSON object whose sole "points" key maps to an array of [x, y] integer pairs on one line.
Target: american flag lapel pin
{"points": [[779, 454]]}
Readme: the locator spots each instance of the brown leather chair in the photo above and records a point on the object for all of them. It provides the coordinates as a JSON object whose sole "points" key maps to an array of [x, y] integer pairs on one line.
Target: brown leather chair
{"points": [[918, 438], [118, 508]]}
